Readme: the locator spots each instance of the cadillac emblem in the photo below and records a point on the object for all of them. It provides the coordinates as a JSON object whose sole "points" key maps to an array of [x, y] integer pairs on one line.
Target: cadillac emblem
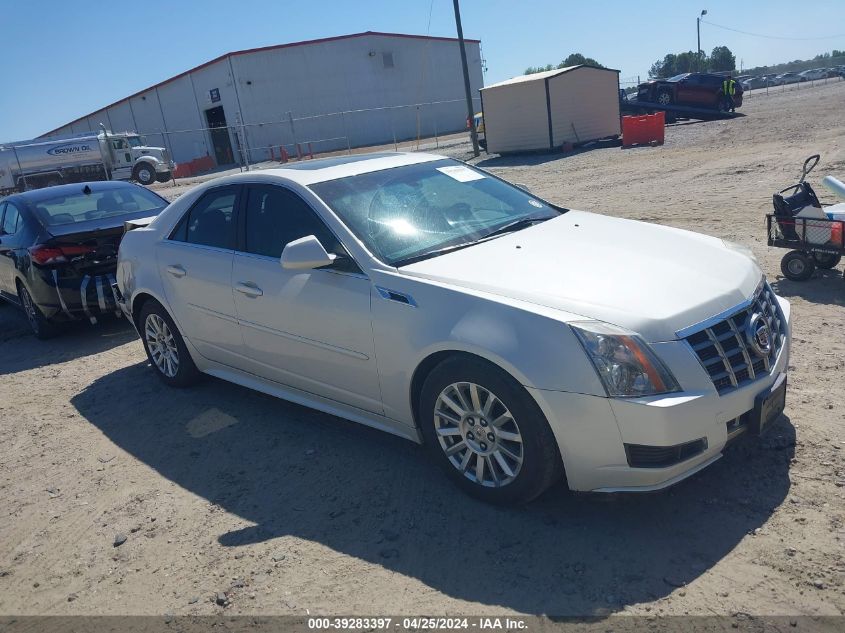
{"points": [[759, 335]]}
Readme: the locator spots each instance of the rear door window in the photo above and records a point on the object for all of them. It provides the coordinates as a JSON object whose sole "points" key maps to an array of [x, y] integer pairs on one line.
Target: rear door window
{"points": [[11, 219], [211, 221]]}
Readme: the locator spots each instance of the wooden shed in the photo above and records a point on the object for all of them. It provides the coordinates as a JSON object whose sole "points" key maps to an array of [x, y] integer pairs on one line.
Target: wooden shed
{"points": [[544, 111]]}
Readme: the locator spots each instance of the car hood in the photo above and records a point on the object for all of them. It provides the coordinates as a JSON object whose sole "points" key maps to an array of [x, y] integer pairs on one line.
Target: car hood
{"points": [[652, 279]]}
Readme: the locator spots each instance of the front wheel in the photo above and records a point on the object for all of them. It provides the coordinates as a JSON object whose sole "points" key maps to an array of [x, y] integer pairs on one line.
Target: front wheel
{"points": [[165, 347], [145, 174], [487, 433], [797, 266], [826, 260]]}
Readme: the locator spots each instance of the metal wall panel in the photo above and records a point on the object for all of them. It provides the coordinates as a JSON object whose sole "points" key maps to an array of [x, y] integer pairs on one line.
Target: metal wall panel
{"points": [[314, 82]]}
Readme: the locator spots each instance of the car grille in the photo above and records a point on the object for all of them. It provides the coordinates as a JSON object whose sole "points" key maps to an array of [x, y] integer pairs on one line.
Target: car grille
{"points": [[725, 350]]}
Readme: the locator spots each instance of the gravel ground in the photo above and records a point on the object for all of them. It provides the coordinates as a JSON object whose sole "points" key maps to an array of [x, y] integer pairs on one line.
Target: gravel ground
{"points": [[275, 509]]}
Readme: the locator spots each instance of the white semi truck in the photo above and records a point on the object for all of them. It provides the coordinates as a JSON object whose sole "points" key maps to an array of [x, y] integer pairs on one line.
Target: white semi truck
{"points": [[94, 156]]}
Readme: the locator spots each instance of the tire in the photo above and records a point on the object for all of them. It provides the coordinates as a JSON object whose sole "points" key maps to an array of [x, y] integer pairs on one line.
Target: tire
{"points": [[797, 266], [144, 173], [38, 323], [165, 347], [826, 260], [528, 460], [165, 177], [664, 97]]}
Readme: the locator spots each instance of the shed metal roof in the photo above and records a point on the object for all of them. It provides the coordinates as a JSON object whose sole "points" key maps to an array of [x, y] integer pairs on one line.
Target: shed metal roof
{"points": [[543, 75]]}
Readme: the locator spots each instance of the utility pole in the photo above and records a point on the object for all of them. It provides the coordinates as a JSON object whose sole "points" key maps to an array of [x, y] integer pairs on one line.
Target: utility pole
{"points": [[470, 113], [698, 33]]}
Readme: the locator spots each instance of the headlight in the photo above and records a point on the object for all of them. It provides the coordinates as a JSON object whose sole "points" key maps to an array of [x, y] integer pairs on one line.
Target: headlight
{"points": [[624, 362], [740, 248]]}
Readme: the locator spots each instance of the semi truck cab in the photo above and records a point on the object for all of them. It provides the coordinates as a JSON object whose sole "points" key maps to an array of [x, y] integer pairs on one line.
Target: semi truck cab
{"points": [[133, 158]]}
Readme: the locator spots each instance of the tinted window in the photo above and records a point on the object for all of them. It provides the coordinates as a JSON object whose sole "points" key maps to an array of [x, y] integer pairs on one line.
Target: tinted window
{"points": [[80, 207], [11, 219], [211, 221], [276, 216]]}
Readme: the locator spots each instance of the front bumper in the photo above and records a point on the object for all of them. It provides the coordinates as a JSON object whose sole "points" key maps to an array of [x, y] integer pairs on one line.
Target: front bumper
{"points": [[165, 168], [592, 431]]}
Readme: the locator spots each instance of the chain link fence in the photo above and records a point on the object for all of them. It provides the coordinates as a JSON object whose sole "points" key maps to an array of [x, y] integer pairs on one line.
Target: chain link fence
{"points": [[297, 137]]}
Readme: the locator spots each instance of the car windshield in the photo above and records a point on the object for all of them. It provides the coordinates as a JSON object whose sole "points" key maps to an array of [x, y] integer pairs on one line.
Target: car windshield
{"points": [[81, 207], [135, 141], [418, 211], [678, 77]]}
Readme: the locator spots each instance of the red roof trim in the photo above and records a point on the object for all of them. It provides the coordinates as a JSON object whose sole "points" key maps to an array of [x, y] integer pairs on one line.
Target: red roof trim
{"points": [[258, 50]]}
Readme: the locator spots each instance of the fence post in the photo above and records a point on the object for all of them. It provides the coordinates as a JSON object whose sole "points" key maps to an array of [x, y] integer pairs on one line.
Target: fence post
{"points": [[346, 133], [393, 131], [292, 129]]}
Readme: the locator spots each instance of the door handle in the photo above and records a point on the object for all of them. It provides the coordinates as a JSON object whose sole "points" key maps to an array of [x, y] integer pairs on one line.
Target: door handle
{"points": [[176, 271], [249, 289]]}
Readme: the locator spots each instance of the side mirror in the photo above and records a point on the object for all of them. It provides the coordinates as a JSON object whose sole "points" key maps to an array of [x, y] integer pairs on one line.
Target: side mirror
{"points": [[522, 186], [306, 253]]}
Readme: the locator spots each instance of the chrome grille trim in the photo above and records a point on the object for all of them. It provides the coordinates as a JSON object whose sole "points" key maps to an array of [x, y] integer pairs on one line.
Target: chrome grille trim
{"points": [[721, 346]]}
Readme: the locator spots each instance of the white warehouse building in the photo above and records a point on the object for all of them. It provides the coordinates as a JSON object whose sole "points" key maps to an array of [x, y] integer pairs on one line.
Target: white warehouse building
{"points": [[348, 91]]}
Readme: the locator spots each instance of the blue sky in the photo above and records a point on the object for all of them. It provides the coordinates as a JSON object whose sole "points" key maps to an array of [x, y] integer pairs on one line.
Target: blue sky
{"points": [[65, 59]]}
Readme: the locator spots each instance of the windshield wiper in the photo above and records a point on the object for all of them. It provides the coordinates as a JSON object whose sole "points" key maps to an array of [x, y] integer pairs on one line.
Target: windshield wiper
{"points": [[510, 227], [516, 225], [429, 254]]}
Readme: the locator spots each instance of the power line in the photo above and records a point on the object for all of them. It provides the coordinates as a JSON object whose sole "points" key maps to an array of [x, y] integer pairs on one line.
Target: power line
{"points": [[773, 37]]}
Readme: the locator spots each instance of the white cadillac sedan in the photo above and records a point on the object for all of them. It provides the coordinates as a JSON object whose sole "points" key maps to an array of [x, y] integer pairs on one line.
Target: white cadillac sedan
{"points": [[519, 341]]}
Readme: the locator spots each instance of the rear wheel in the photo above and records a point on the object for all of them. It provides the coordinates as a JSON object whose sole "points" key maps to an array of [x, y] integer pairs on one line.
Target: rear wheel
{"points": [[144, 173], [165, 348], [486, 432], [38, 323], [826, 260], [797, 266]]}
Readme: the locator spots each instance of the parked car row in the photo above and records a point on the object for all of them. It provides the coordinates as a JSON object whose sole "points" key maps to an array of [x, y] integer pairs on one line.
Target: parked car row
{"points": [[432, 300], [782, 79]]}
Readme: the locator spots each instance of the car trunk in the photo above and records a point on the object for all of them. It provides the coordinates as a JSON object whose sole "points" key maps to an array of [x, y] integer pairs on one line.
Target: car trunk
{"points": [[90, 247]]}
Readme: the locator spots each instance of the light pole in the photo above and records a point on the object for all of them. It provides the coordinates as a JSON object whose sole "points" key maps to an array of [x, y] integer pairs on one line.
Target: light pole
{"points": [[698, 33]]}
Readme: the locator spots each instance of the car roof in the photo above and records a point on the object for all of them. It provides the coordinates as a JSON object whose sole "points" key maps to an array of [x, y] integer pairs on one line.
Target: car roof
{"points": [[323, 169], [39, 195]]}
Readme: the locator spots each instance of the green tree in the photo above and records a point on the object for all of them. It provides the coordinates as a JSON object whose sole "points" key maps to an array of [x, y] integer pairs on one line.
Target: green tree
{"points": [[574, 59], [722, 59], [674, 64]]}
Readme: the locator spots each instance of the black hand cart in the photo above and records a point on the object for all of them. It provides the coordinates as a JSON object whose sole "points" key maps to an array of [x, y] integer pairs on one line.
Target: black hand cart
{"points": [[814, 240]]}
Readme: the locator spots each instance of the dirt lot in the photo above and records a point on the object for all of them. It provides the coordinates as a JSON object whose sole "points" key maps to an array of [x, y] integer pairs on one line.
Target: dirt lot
{"points": [[219, 489]]}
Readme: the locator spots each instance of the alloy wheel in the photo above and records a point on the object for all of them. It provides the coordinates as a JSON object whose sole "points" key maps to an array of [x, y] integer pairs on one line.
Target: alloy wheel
{"points": [[29, 308], [478, 434], [162, 345]]}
